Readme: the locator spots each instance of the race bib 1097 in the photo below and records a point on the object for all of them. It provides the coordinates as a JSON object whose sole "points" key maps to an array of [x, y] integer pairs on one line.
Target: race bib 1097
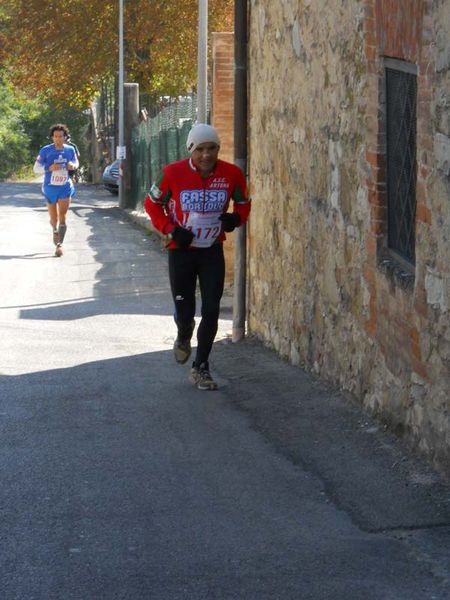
{"points": [[59, 177]]}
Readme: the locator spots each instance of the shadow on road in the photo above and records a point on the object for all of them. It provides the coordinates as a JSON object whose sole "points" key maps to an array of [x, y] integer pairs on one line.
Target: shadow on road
{"points": [[116, 463], [35, 256], [130, 269], [23, 195], [136, 302], [115, 380]]}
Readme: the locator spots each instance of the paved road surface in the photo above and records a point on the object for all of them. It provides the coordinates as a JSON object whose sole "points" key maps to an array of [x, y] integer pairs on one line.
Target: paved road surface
{"points": [[121, 481]]}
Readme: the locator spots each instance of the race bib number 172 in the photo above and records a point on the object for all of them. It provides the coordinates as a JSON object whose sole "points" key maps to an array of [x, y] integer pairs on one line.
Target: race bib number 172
{"points": [[206, 228]]}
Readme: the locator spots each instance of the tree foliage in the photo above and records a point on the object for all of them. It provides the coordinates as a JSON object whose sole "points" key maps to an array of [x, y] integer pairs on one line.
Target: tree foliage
{"points": [[13, 151], [64, 50], [24, 126]]}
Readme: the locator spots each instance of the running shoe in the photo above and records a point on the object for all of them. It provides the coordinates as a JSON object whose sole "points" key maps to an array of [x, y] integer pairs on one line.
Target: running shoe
{"points": [[59, 250], [181, 350], [201, 377]]}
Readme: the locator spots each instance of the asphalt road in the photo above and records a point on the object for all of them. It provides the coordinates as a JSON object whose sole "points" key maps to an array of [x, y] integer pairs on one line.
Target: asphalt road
{"points": [[119, 480]]}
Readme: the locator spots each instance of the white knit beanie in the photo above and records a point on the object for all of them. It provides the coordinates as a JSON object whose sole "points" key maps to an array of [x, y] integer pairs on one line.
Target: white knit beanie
{"points": [[201, 134]]}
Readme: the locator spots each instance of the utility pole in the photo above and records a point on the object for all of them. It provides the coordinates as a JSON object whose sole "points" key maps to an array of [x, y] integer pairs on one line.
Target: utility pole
{"points": [[202, 62]]}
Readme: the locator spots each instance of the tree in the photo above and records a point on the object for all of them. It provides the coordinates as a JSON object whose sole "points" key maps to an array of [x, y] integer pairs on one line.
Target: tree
{"points": [[13, 151], [24, 128], [65, 50]]}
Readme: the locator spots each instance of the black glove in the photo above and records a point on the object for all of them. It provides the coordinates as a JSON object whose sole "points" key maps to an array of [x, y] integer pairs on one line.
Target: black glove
{"points": [[230, 221], [182, 237]]}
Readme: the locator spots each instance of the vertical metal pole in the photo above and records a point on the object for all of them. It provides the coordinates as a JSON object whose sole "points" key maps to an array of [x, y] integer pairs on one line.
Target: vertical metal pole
{"points": [[240, 159], [121, 107], [202, 62], [131, 119]]}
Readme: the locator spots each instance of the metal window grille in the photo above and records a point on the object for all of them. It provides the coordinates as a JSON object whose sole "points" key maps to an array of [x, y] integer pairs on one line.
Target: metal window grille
{"points": [[401, 102]]}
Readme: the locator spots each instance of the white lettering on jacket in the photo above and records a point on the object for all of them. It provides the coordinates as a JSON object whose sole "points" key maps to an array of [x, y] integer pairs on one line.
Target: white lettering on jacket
{"points": [[203, 200]]}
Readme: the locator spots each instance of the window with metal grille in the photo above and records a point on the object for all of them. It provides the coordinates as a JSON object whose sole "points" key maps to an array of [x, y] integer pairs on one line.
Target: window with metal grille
{"points": [[401, 102]]}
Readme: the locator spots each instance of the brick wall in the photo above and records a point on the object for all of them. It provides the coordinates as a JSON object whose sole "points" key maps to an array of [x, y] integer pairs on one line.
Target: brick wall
{"points": [[223, 116], [389, 33], [223, 91]]}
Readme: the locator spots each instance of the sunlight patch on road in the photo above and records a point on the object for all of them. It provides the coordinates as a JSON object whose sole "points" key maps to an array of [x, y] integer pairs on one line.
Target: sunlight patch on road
{"points": [[59, 344]]}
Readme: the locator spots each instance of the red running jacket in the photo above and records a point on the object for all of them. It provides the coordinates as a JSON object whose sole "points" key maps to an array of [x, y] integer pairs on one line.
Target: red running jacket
{"points": [[182, 197]]}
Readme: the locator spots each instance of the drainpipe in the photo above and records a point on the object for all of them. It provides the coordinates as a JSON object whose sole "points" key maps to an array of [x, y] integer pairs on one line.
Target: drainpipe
{"points": [[202, 62], [240, 159], [120, 149]]}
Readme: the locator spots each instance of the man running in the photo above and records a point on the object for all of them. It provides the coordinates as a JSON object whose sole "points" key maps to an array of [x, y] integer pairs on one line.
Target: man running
{"points": [[56, 160], [188, 203]]}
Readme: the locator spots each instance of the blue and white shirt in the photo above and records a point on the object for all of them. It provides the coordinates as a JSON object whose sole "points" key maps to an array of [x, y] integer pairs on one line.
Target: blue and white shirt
{"points": [[48, 155]]}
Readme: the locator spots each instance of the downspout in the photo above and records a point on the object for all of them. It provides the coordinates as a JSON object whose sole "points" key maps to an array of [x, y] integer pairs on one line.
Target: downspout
{"points": [[240, 159], [121, 145], [202, 62]]}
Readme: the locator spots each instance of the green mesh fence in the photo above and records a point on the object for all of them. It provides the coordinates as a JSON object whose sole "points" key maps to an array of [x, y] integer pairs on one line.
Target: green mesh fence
{"points": [[158, 142]]}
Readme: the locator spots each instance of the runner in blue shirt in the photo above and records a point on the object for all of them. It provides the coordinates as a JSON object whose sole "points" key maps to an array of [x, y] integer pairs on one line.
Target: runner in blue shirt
{"points": [[56, 160]]}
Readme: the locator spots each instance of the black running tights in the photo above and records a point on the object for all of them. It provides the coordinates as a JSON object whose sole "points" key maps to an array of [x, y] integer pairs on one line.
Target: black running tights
{"points": [[185, 266]]}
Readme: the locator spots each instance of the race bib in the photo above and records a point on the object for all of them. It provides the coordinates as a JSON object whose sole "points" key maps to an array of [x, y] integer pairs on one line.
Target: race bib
{"points": [[59, 177], [206, 227]]}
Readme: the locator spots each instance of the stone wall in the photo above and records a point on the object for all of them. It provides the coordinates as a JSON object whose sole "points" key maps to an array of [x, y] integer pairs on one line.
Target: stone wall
{"points": [[320, 292]]}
